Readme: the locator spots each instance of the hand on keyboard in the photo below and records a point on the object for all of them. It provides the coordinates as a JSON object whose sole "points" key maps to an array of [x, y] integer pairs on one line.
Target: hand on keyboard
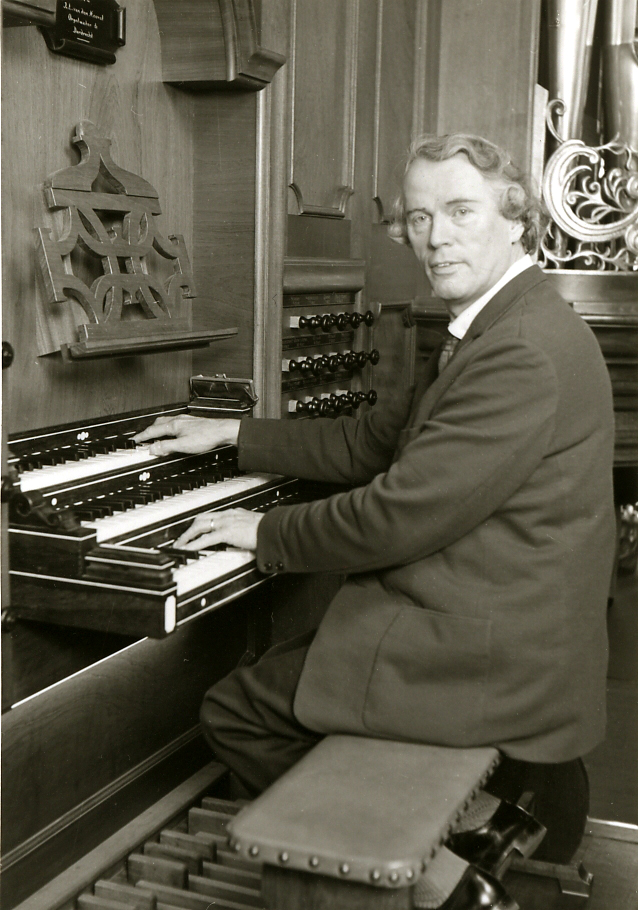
{"points": [[237, 527], [190, 435]]}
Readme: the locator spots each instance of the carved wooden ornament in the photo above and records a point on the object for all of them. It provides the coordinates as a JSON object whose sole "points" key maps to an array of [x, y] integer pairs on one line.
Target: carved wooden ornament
{"points": [[129, 310]]}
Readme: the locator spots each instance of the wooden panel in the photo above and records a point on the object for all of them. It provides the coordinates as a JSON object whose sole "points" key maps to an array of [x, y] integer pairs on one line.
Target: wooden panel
{"points": [[395, 339], [322, 99], [36, 655], [224, 228], [43, 97], [488, 65], [394, 83], [63, 745], [316, 236]]}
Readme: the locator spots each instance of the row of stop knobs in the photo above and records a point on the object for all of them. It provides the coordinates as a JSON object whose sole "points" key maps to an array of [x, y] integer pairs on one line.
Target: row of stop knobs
{"points": [[349, 360], [327, 321], [333, 402]]}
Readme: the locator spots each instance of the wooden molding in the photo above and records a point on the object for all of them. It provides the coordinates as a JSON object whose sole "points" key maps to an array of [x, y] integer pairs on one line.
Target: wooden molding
{"points": [[213, 44], [309, 276], [422, 87], [271, 193], [344, 188], [376, 198], [29, 12]]}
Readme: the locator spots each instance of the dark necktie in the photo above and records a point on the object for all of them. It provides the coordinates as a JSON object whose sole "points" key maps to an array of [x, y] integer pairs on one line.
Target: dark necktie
{"points": [[449, 346]]}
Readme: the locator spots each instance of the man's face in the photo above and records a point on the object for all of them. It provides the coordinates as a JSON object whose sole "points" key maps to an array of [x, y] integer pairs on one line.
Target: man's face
{"points": [[456, 230]]}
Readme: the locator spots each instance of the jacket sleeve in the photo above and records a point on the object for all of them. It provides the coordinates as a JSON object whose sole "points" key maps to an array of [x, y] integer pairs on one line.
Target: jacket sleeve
{"points": [[486, 436], [344, 450]]}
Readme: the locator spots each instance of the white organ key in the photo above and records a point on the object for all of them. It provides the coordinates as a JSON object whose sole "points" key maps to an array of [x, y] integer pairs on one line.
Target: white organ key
{"points": [[52, 475], [209, 568], [173, 506]]}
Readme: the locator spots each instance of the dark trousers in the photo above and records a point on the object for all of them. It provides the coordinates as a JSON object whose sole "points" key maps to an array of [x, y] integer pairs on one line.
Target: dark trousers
{"points": [[248, 721]]}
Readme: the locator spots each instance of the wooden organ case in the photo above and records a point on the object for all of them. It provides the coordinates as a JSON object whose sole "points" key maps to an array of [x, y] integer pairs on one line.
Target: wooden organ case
{"points": [[101, 711], [106, 652], [273, 133]]}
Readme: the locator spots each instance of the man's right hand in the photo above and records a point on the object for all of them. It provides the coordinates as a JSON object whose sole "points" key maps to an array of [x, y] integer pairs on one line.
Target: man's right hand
{"points": [[190, 435]]}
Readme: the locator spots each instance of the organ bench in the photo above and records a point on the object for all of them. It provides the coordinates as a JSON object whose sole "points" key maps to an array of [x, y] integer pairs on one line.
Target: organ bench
{"points": [[357, 821]]}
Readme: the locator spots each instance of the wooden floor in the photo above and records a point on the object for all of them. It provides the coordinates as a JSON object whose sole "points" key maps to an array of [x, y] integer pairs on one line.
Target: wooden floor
{"points": [[613, 775], [614, 865]]}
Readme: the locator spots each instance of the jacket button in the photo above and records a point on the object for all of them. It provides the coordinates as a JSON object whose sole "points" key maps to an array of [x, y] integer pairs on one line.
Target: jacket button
{"points": [[280, 566], [268, 566]]}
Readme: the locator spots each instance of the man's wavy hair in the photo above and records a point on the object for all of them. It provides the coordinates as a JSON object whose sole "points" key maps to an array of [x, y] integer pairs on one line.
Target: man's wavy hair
{"points": [[518, 200]]}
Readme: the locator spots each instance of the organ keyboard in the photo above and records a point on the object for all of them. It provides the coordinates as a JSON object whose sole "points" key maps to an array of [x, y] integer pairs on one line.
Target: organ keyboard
{"points": [[94, 517]]}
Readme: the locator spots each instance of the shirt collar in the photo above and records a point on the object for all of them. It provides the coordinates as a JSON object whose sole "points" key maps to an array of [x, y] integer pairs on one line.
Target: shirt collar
{"points": [[459, 326]]}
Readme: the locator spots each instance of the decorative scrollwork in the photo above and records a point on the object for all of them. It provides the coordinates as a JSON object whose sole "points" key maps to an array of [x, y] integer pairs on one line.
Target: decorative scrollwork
{"points": [[591, 194], [118, 230]]}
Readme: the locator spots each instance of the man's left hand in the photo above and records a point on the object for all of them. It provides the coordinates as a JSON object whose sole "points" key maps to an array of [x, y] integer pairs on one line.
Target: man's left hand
{"points": [[236, 527]]}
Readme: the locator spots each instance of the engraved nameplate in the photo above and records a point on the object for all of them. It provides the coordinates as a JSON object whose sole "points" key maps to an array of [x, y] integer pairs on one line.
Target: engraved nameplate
{"points": [[87, 29]]}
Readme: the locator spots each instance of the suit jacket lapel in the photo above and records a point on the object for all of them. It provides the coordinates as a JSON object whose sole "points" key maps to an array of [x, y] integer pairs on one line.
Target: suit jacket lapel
{"points": [[491, 313], [502, 302]]}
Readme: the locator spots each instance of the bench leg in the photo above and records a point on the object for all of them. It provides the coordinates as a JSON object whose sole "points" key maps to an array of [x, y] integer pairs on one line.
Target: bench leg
{"points": [[288, 889]]}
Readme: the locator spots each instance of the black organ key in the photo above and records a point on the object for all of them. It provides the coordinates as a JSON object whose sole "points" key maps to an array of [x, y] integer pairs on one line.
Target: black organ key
{"points": [[132, 497], [181, 556], [120, 504], [83, 452], [68, 453], [163, 488], [122, 442], [149, 494], [90, 512]]}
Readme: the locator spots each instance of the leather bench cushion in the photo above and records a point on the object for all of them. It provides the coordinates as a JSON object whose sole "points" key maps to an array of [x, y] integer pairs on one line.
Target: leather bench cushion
{"points": [[363, 809]]}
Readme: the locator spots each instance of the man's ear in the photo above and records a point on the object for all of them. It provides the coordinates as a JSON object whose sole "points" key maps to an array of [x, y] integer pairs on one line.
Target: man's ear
{"points": [[516, 231]]}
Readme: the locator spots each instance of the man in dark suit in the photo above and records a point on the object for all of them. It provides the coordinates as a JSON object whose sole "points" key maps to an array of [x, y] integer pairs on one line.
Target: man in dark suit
{"points": [[478, 538]]}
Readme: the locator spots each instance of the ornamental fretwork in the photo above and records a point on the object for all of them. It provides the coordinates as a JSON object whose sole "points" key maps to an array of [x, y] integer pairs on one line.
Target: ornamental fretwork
{"points": [[591, 194], [108, 259]]}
